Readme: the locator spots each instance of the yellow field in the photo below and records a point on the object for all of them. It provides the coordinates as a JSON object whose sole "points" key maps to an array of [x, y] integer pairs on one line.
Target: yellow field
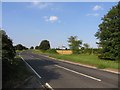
{"points": [[64, 51]]}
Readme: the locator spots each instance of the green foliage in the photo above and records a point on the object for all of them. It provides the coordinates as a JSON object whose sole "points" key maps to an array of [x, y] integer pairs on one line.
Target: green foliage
{"points": [[86, 46], [74, 44], [37, 47], [44, 45], [20, 47], [101, 66], [8, 53], [31, 47], [86, 49], [109, 34], [13, 70], [15, 74], [51, 51], [91, 50]]}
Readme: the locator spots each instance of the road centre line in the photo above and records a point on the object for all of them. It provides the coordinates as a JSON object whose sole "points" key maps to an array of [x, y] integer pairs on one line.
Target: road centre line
{"points": [[36, 73], [79, 73]]}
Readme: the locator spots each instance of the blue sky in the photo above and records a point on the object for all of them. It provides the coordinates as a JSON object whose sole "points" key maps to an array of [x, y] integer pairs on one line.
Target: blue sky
{"points": [[31, 22]]}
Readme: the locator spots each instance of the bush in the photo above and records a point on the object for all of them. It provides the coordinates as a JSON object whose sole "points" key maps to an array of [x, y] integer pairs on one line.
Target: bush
{"points": [[51, 51], [77, 51], [105, 57], [90, 50]]}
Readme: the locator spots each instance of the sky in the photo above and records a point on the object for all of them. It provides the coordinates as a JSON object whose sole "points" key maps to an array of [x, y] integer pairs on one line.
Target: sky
{"points": [[28, 23]]}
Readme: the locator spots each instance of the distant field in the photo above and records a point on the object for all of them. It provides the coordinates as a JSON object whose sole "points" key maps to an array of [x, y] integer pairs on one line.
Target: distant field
{"points": [[64, 51], [87, 59]]}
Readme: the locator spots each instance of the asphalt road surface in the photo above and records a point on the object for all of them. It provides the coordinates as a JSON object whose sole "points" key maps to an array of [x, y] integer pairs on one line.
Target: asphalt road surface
{"points": [[65, 75]]}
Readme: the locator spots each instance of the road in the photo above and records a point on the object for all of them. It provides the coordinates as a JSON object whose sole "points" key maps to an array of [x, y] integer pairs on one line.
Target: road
{"points": [[65, 75]]}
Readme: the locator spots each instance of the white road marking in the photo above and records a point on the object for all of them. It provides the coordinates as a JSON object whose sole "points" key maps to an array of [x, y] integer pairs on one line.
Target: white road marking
{"points": [[36, 73], [31, 68], [79, 73], [48, 86]]}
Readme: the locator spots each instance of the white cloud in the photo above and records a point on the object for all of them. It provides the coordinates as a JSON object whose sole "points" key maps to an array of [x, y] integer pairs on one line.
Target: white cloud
{"points": [[51, 19], [93, 14], [97, 7], [40, 5]]}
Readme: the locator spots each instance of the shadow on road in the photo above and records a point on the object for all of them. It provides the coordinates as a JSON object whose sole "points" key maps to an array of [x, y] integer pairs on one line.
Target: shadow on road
{"points": [[45, 68]]}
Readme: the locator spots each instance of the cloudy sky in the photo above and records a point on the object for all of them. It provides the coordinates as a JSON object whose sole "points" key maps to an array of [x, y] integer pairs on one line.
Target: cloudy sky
{"points": [[31, 22]]}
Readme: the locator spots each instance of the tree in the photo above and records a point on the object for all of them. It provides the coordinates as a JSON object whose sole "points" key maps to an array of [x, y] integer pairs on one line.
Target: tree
{"points": [[74, 44], [44, 45], [37, 47], [86, 46], [109, 34], [31, 47], [8, 50], [20, 47], [8, 54]]}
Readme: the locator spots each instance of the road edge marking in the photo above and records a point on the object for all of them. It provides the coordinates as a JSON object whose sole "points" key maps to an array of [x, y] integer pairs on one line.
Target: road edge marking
{"points": [[36, 73], [48, 86], [31, 67], [79, 73]]}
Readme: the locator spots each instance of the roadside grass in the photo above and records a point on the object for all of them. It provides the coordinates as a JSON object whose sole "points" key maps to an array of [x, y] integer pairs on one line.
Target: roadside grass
{"points": [[87, 59], [18, 51], [17, 74]]}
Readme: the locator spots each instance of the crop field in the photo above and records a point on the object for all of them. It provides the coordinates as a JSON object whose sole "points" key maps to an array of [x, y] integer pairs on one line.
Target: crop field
{"points": [[64, 51]]}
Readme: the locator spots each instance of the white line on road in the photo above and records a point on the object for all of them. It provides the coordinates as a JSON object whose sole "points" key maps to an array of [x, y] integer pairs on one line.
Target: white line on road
{"points": [[31, 68], [36, 73], [78, 73], [48, 86]]}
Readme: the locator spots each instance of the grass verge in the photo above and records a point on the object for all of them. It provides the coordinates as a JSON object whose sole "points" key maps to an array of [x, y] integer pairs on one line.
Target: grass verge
{"points": [[16, 74], [87, 59], [18, 51]]}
